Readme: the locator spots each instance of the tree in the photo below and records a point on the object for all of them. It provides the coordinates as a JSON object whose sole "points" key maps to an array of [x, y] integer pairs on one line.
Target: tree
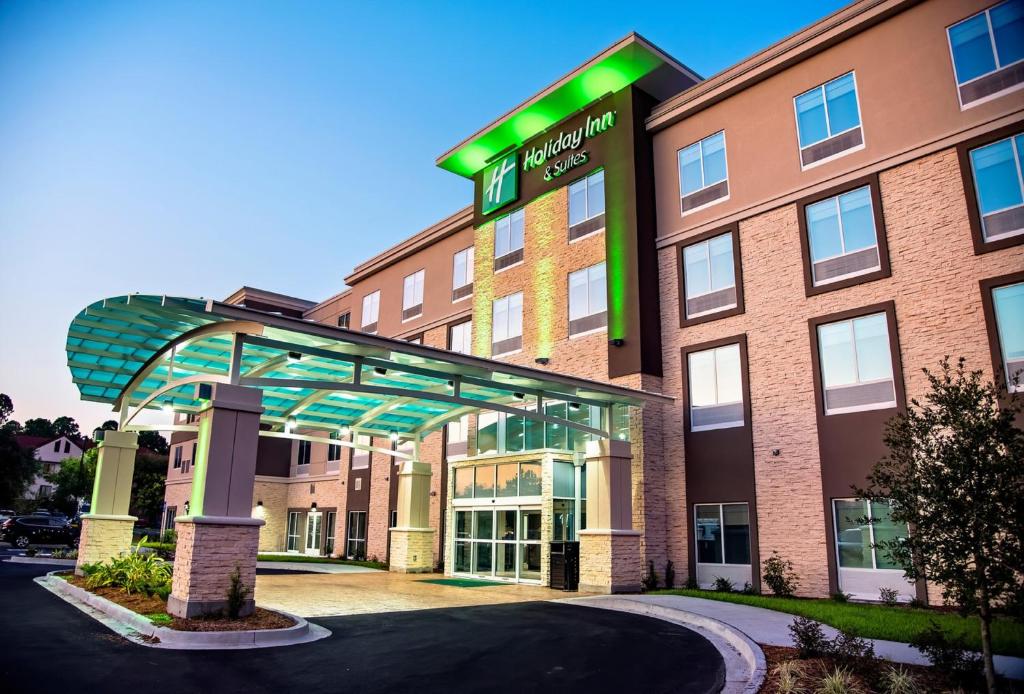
{"points": [[13, 426], [148, 486], [73, 481], [39, 427], [66, 426], [109, 425], [955, 475], [154, 442], [18, 467]]}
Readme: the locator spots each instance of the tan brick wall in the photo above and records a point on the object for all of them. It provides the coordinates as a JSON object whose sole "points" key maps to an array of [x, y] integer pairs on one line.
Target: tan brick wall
{"points": [[274, 514], [934, 285], [206, 557], [412, 551], [103, 539], [378, 517], [609, 563]]}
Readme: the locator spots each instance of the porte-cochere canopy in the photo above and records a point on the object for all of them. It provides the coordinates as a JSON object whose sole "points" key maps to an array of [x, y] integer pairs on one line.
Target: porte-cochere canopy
{"points": [[145, 351]]}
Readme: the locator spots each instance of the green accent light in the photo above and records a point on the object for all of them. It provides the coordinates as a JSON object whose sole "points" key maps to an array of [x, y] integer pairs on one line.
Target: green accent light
{"points": [[500, 183], [612, 73], [200, 467]]}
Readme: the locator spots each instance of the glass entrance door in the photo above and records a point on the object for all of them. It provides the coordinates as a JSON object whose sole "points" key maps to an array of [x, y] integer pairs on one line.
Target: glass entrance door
{"points": [[314, 527], [500, 543]]}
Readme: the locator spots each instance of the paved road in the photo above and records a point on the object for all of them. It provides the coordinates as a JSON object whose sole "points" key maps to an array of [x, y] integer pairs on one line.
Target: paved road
{"points": [[50, 646]]}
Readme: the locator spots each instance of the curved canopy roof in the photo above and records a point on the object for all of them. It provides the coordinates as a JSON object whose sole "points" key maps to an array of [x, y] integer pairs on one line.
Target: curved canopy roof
{"points": [[145, 351]]}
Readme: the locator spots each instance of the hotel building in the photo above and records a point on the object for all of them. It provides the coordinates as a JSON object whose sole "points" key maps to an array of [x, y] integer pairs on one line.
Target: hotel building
{"points": [[781, 248]]}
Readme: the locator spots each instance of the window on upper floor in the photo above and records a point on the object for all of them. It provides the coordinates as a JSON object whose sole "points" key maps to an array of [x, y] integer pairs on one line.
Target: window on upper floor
{"points": [[460, 337], [361, 458], [999, 187], [709, 276], [828, 121], [586, 206], [508, 239], [305, 451], [195, 447], [507, 325], [56, 446], [334, 452], [67, 446], [457, 438], [1008, 305], [344, 319], [415, 340], [412, 295], [462, 274], [177, 457], [371, 312], [856, 364], [842, 236], [703, 173], [988, 52], [588, 300], [715, 388]]}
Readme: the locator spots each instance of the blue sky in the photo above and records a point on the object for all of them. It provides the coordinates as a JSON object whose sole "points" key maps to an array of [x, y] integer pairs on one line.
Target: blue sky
{"points": [[192, 147]]}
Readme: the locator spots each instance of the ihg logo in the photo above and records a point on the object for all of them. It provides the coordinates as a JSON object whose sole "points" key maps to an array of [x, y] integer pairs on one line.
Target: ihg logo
{"points": [[499, 184]]}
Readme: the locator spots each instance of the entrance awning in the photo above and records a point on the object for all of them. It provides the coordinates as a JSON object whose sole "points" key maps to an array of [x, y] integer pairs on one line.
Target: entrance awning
{"points": [[149, 352]]}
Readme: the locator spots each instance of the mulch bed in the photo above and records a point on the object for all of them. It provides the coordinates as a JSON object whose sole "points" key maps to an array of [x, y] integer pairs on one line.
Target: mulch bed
{"points": [[152, 604], [814, 669]]}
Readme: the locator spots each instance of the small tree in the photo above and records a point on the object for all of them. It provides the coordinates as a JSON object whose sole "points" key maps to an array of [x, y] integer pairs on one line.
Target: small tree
{"points": [[955, 475], [18, 467]]}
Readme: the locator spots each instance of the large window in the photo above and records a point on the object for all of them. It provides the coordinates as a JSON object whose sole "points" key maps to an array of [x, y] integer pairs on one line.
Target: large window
{"points": [[462, 274], [371, 312], [460, 337], [329, 542], [333, 452], [355, 548], [502, 543], [588, 300], [457, 438], [508, 239], [503, 480], [716, 388], [177, 456], [305, 451], [703, 173], [507, 325], [412, 295], [294, 531], [988, 52], [856, 364], [709, 276], [1008, 303], [722, 533], [828, 121], [586, 206], [999, 187], [860, 526], [361, 458], [842, 236], [508, 433]]}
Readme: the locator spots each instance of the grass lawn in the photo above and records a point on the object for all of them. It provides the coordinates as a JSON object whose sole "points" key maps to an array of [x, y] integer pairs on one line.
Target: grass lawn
{"points": [[302, 559], [876, 621]]}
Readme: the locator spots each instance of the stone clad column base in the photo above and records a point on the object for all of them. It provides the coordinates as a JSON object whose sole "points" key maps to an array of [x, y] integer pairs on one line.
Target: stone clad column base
{"points": [[412, 550], [103, 537], [209, 550], [610, 561]]}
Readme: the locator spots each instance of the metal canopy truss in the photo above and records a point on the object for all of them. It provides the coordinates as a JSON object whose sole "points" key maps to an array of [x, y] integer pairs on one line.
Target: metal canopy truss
{"points": [[148, 352]]}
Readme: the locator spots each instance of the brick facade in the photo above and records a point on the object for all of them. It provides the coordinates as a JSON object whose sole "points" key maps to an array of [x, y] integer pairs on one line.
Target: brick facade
{"points": [[206, 556], [103, 539]]}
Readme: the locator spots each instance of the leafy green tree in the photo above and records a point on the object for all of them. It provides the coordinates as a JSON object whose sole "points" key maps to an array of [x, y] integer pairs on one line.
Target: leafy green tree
{"points": [[38, 427], [73, 481], [65, 426], [109, 425], [13, 426], [955, 474], [154, 442], [18, 467], [148, 486]]}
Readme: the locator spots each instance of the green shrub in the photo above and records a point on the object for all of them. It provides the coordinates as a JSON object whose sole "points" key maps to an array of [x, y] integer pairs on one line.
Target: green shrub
{"points": [[237, 593], [650, 579], [888, 596], [670, 575], [788, 673], [779, 576], [133, 573], [839, 681], [809, 638], [723, 585], [897, 680], [170, 537], [949, 654]]}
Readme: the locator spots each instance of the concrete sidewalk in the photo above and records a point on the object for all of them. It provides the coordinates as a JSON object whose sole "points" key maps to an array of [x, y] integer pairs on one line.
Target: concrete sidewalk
{"points": [[771, 628], [316, 567]]}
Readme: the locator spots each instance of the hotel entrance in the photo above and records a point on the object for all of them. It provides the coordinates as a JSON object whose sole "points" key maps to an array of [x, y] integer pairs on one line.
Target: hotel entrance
{"points": [[499, 543]]}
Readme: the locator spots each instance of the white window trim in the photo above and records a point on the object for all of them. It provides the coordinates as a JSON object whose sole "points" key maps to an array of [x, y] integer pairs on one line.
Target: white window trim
{"points": [[828, 125], [842, 239], [707, 255], [362, 312], [977, 192], [871, 534], [856, 370], [568, 286], [995, 55], [1019, 387], [469, 250], [506, 298], [422, 282]]}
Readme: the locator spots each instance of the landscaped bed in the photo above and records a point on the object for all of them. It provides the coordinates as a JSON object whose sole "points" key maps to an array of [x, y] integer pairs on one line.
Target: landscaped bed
{"points": [[902, 624], [167, 550]]}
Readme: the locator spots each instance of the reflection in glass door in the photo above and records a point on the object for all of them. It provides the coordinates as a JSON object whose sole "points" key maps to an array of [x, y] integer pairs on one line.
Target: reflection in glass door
{"points": [[293, 532], [313, 528], [501, 543]]}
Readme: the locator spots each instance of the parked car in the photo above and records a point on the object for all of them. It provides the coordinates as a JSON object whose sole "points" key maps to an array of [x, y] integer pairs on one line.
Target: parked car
{"points": [[22, 531]]}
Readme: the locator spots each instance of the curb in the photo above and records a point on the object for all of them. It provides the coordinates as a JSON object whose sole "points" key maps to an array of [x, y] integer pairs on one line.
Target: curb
{"points": [[41, 560], [745, 665], [140, 630]]}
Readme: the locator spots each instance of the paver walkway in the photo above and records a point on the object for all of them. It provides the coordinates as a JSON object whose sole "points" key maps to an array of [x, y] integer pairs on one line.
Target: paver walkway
{"points": [[772, 628], [316, 567]]}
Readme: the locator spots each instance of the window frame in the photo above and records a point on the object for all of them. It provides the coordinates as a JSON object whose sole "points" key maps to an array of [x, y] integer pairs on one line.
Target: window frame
{"points": [[362, 314], [741, 340], [494, 312], [986, 286], [589, 219], [345, 320], [963, 150], [871, 535], [995, 54], [860, 123], [679, 174], [889, 309], [419, 281], [737, 261], [721, 526], [308, 446], [451, 331], [568, 303], [500, 266], [178, 454], [459, 292], [884, 270]]}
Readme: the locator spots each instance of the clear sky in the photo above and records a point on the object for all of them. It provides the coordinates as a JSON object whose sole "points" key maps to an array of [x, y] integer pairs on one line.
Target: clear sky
{"points": [[188, 148]]}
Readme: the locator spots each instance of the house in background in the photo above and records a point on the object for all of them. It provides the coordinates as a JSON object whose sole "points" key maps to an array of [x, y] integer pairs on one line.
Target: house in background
{"points": [[50, 452]]}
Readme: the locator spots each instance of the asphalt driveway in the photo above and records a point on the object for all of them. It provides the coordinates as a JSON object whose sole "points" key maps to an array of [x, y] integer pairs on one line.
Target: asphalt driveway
{"points": [[532, 646]]}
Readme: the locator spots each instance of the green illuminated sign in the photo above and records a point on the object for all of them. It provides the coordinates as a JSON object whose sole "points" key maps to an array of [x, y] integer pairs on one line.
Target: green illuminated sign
{"points": [[499, 184], [567, 142]]}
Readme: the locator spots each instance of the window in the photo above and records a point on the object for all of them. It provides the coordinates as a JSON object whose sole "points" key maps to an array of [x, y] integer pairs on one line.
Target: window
{"points": [[497, 481], [357, 484], [588, 300], [412, 295], [393, 523], [305, 449], [333, 451], [586, 206], [195, 445], [722, 533], [67, 446], [856, 364], [170, 513], [356, 546], [999, 187], [56, 446], [860, 525], [507, 325], [45, 490], [842, 236], [371, 311], [456, 438], [703, 173], [361, 458], [177, 457], [415, 340], [344, 319], [828, 121], [462, 274], [508, 239], [988, 52], [460, 338], [510, 433], [294, 532], [716, 388], [329, 542], [709, 276], [1008, 303]]}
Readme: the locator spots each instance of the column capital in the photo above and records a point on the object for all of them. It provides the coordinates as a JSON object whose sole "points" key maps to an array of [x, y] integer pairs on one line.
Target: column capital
{"points": [[609, 448], [226, 396], [414, 467], [119, 439]]}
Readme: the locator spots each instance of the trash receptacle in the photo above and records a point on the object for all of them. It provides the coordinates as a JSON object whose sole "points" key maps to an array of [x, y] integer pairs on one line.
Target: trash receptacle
{"points": [[565, 565]]}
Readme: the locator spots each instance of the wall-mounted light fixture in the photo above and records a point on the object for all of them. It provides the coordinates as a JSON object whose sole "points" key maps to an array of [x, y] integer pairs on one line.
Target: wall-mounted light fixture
{"points": [[259, 502], [776, 452], [312, 507], [617, 342], [393, 436], [294, 357], [380, 371], [543, 361]]}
